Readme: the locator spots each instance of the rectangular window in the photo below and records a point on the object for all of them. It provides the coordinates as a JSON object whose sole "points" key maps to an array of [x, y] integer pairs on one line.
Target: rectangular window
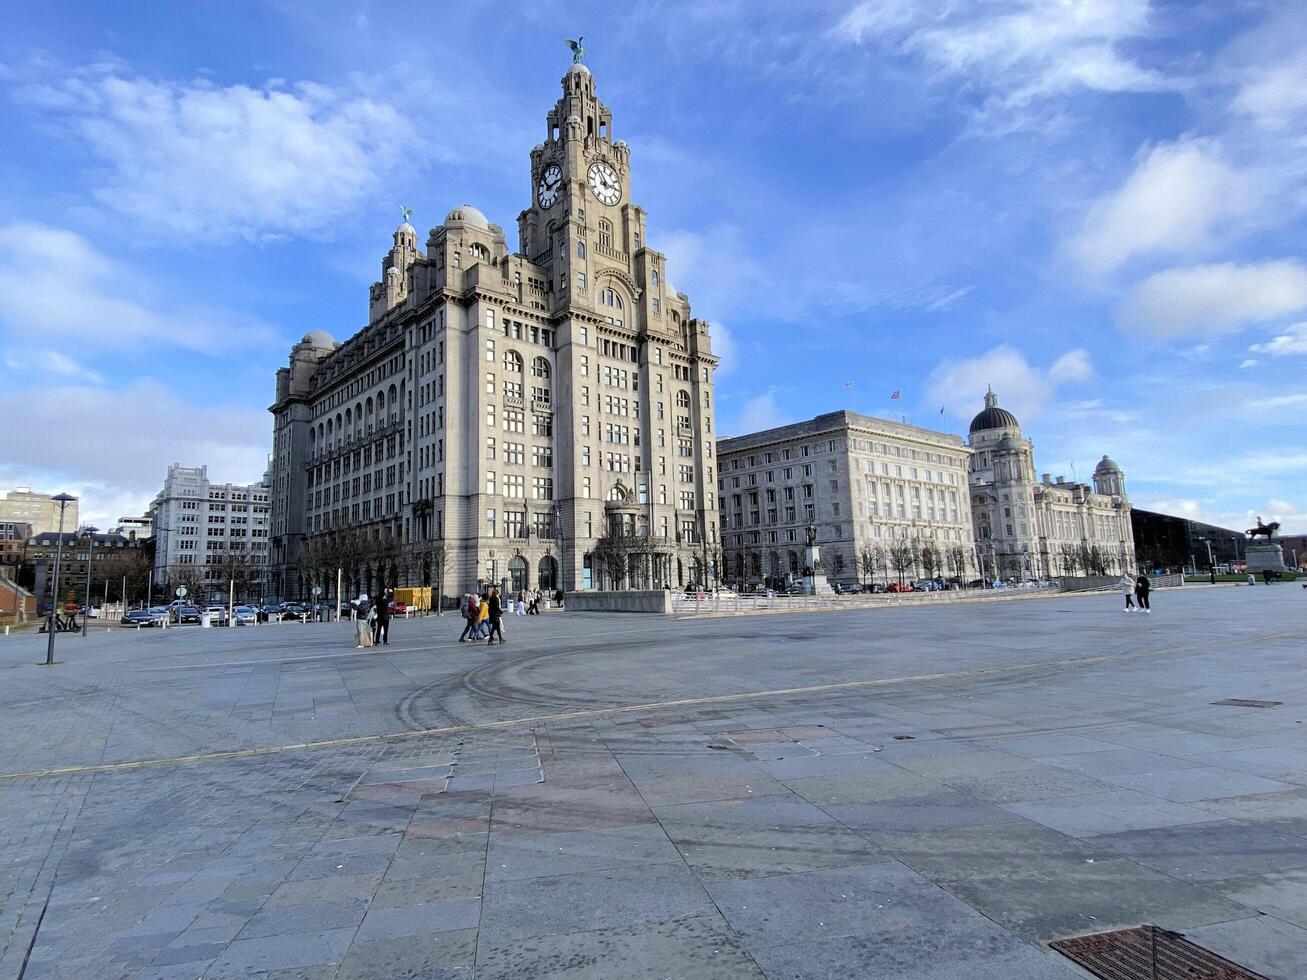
{"points": [[490, 351], [542, 456], [542, 488], [490, 448], [490, 521], [580, 281], [490, 382], [490, 481]]}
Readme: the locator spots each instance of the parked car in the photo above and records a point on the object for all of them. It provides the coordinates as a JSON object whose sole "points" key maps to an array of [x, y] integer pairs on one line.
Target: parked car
{"points": [[797, 589], [293, 610], [398, 608], [896, 587], [217, 615], [849, 588], [245, 615], [143, 617], [186, 614]]}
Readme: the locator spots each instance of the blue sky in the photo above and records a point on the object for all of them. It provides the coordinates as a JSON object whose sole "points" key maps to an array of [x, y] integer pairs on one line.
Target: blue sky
{"points": [[1095, 206]]}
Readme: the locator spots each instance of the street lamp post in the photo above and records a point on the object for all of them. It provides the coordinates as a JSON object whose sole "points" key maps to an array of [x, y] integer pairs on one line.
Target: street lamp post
{"points": [[64, 500], [90, 530]]}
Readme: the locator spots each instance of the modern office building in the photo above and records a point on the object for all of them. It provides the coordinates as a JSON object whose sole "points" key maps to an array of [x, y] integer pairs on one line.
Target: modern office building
{"points": [[198, 526], [864, 485], [39, 510], [1032, 528], [506, 405], [1167, 541]]}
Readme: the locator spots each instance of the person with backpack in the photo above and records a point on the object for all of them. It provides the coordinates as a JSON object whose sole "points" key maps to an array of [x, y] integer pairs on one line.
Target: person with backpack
{"points": [[471, 606], [495, 613], [1127, 588], [362, 631], [1142, 588]]}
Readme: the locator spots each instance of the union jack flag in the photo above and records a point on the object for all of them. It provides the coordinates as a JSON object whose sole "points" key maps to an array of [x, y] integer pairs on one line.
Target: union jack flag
{"points": [[895, 394]]}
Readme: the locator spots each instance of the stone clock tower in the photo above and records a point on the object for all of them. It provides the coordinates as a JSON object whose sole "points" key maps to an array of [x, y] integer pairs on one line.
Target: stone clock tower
{"points": [[506, 415]]}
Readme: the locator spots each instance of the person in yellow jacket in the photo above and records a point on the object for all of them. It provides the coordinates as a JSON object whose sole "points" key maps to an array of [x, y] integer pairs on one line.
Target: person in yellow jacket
{"points": [[483, 617]]}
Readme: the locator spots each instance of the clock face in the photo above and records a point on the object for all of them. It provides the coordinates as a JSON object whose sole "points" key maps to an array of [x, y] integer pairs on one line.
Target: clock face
{"points": [[605, 183], [551, 180]]}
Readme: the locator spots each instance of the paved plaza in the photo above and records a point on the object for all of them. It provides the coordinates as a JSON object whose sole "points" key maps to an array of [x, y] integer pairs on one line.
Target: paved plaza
{"points": [[899, 792]]}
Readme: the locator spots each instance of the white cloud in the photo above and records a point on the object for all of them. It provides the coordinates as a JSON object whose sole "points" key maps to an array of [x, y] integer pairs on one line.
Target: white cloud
{"points": [[51, 363], [1275, 96], [1247, 363], [1276, 402], [1074, 365], [723, 345], [714, 267], [1292, 340], [1214, 299], [1015, 51], [1176, 196], [117, 443], [213, 163], [37, 265], [760, 412], [959, 383]]}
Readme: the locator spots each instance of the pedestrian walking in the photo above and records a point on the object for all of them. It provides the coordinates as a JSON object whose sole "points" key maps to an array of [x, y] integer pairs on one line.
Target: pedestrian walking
{"points": [[1127, 587], [362, 632], [520, 605], [533, 607], [471, 606], [483, 616], [1142, 588], [381, 623], [495, 612]]}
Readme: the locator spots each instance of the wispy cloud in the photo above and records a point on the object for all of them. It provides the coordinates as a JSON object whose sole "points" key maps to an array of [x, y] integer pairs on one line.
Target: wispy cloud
{"points": [[1290, 341], [1015, 52], [1214, 299], [212, 162], [109, 307], [958, 384]]}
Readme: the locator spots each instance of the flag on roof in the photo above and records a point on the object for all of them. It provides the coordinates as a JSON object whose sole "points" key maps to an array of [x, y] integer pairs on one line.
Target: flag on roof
{"points": [[895, 394]]}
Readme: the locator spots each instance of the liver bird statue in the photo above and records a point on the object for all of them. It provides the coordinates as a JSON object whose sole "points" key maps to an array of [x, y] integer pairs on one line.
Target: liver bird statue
{"points": [[578, 49]]}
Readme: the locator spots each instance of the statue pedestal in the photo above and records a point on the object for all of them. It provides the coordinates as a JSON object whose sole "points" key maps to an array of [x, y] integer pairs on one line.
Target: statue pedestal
{"points": [[1265, 557], [817, 581]]}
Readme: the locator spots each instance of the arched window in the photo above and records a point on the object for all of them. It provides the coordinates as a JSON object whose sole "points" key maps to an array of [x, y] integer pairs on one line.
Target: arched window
{"points": [[478, 251], [682, 399], [580, 250], [654, 277], [609, 297], [368, 403], [617, 494], [540, 368], [381, 403], [512, 362], [605, 233]]}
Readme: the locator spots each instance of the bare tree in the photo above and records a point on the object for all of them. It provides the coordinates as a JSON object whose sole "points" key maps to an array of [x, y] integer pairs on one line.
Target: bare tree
{"points": [[902, 557], [1069, 558], [957, 560], [616, 551], [432, 561], [867, 563], [930, 560], [191, 578], [1085, 557]]}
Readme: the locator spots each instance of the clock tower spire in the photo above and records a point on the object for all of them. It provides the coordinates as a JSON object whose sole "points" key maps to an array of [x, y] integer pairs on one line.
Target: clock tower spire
{"points": [[579, 175]]}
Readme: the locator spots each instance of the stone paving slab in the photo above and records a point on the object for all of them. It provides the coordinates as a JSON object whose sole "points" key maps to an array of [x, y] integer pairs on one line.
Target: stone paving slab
{"points": [[682, 803]]}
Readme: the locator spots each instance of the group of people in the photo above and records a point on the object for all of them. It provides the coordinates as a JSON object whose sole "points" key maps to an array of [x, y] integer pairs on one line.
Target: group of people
{"points": [[528, 602], [372, 620], [484, 616], [1135, 589]]}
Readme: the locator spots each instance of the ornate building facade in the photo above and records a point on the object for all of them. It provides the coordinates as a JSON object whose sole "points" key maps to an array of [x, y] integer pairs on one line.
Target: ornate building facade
{"points": [[1029, 528], [870, 488], [503, 409]]}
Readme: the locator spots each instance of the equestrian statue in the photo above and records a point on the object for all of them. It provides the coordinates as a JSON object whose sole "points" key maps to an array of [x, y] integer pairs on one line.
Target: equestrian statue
{"points": [[1266, 529]]}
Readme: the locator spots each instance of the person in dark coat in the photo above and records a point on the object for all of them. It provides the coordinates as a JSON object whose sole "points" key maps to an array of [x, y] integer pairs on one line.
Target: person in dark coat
{"points": [[381, 626], [496, 617], [1142, 588]]}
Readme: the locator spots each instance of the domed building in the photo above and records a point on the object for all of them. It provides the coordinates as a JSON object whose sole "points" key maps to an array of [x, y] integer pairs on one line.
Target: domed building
{"points": [[1037, 528], [505, 407]]}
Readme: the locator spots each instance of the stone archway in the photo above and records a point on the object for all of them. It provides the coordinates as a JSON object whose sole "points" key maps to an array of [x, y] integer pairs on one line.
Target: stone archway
{"points": [[517, 570], [547, 574]]}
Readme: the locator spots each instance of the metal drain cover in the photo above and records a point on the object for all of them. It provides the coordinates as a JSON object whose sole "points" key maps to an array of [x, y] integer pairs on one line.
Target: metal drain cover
{"points": [[1249, 703], [1149, 953]]}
